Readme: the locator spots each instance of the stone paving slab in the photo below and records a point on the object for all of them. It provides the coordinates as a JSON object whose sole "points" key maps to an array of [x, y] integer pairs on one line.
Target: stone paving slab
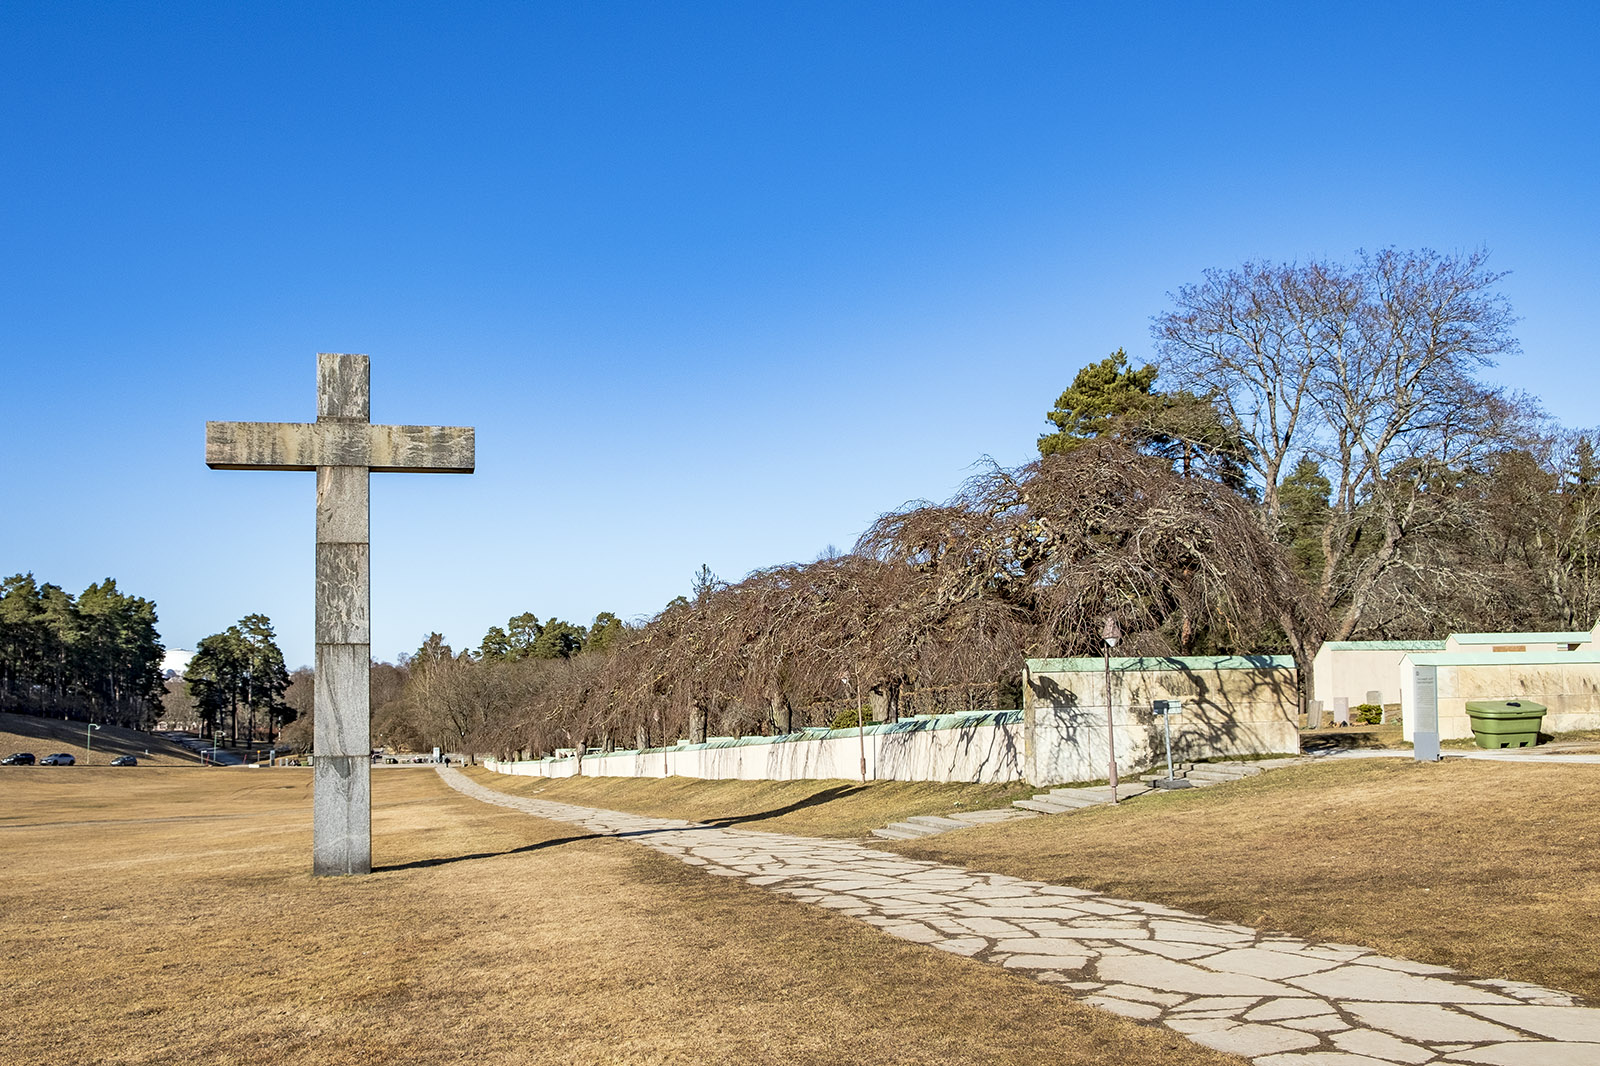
{"points": [[1271, 998]]}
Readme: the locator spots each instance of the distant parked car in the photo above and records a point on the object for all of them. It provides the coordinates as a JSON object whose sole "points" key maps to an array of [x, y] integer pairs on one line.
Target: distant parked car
{"points": [[124, 760], [21, 758], [59, 758]]}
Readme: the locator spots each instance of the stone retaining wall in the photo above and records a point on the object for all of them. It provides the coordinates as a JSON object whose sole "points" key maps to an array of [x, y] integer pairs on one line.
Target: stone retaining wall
{"points": [[976, 748]]}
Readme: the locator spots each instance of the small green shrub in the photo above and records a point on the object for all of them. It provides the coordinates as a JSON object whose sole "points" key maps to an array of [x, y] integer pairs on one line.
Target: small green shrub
{"points": [[1369, 714], [848, 718]]}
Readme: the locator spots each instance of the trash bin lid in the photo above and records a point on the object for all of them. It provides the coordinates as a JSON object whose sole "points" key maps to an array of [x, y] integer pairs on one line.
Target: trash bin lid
{"points": [[1505, 708]]}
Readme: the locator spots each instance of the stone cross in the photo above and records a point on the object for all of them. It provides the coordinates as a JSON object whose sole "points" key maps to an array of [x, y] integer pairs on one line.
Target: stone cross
{"points": [[342, 446]]}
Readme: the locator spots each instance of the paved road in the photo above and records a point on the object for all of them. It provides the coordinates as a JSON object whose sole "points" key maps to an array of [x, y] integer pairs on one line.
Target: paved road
{"points": [[1276, 1000]]}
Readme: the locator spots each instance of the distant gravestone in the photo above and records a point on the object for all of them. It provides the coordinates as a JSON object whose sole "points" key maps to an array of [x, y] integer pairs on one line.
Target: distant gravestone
{"points": [[1375, 697], [343, 447], [1341, 710], [1313, 714]]}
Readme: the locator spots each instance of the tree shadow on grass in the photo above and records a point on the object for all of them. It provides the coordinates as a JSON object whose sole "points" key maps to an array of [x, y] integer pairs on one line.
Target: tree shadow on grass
{"points": [[816, 799], [444, 860], [1322, 743]]}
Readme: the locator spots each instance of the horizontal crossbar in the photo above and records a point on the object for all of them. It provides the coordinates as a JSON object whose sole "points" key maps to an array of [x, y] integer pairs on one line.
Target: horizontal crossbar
{"points": [[308, 445]]}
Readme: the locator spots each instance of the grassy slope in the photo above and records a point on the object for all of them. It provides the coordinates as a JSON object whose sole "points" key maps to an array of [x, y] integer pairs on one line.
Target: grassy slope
{"points": [[173, 921], [22, 732]]}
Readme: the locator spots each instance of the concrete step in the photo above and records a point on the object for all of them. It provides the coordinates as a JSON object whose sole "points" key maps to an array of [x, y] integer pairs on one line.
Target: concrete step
{"points": [[895, 834], [1042, 807], [1074, 797], [914, 829], [1214, 776], [989, 817], [937, 822], [1243, 769], [1064, 800]]}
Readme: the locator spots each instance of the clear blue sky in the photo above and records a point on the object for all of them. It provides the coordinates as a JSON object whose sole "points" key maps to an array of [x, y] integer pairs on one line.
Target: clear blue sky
{"points": [[715, 282]]}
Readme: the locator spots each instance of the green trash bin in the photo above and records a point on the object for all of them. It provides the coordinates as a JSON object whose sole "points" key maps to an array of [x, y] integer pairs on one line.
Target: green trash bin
{"points": [[1505, 723]]}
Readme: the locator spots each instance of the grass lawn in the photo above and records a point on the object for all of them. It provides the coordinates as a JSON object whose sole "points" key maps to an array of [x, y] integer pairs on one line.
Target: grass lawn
{"points": [[167, 916], [1493, 868], [24, 732], [807, 808]]}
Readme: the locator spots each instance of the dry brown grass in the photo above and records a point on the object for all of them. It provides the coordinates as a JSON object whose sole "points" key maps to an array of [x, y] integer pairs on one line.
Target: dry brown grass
{"points": [[1492, 868], [22, 732], [807, 808], [168, 917]]}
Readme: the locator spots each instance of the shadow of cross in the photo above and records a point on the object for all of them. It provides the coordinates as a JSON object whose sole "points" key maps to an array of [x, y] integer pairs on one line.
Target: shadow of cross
{"points": [[343, 447]]}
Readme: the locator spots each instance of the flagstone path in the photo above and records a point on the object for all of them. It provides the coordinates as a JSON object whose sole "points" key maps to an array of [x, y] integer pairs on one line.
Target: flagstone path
{"points": [[1276, 1000]]}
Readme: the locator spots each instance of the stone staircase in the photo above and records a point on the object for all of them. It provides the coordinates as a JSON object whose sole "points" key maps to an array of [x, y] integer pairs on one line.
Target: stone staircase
{"points": [[1065, 800], [927, 825]]}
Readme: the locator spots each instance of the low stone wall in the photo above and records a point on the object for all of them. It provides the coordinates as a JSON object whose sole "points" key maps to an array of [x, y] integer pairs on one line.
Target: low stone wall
{"points": [[1566, 682], [978, 748], [1232, 705]]}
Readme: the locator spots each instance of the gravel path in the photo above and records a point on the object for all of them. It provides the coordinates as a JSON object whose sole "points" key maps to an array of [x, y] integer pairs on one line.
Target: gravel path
{"points": [[1276, 1000]]}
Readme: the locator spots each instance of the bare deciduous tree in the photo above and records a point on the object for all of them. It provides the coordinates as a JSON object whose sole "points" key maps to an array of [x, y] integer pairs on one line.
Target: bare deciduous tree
{"points": [[1371, 370]]}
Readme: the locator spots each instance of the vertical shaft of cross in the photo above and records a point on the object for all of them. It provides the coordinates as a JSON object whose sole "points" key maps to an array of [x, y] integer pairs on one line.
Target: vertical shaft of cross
{"points": [[342, 784]]}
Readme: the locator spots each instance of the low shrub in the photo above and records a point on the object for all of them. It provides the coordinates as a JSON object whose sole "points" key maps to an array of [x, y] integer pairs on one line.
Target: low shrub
{"points": [[1369, 714], [849, 718]]}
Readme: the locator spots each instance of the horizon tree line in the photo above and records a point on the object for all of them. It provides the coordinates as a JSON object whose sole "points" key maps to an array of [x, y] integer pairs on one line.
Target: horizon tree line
{"points": [[94, 657]]}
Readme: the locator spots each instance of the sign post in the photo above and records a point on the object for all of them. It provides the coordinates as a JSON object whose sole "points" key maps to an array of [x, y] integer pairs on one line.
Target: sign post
{"points": [[1425, 710], [1166, 710]]}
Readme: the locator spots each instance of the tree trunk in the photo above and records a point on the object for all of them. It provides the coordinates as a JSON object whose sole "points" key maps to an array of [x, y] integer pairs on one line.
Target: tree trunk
{"points": [[697, 721], [885, 699], [782, 714]]}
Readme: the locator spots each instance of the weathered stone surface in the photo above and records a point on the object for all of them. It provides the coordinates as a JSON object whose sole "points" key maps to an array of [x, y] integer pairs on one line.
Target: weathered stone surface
{"points": [[1258, 962], [1428, 1022], [1380, 1046], [1141, 1011], [341, 810], [1278, 1009], [1046, 962], [343, 597], [1317, 1023], [1242, 1038], [1557, 1023], [344, 387], [343, 721], [342, 505], [1371, 984], [1318, 1058], [1172, 976], [308, 445], [1541, 1054]]}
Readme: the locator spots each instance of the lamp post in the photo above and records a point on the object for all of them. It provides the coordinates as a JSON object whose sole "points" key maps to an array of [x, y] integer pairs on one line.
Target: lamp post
{"points": [[88, 740], [861, 726], [1111, 634]]}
